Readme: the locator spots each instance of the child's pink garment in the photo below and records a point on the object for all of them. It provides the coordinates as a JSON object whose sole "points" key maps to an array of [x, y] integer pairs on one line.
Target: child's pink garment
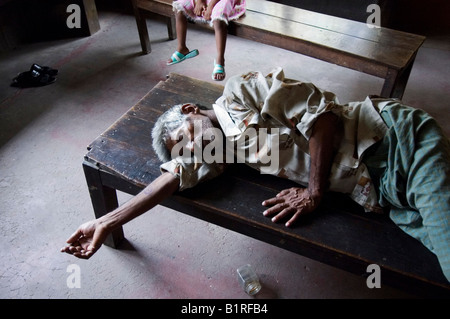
{"points": [[225, 10]]}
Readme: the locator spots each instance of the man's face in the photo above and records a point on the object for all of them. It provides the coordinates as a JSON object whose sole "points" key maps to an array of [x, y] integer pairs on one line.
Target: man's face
{"points": [[195, 132]]}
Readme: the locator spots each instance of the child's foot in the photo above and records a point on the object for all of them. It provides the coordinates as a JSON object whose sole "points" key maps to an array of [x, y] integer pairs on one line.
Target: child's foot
{"points": [[218, 72]]}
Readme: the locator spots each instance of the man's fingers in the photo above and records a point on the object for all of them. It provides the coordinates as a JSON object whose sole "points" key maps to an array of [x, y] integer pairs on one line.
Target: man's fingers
{"points": [[78, 252], [84, 254], [272, 201], [282, 214], [280, 210], [279, 198], [274, 209], [283, 210], [289, 204], [65, 249], [294, 218], [80, 255], [71, 249], [284, 192]]}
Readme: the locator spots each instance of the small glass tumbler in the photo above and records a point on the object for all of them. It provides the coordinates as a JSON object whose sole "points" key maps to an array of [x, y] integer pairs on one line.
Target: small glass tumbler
{"points": [[248, 280]]}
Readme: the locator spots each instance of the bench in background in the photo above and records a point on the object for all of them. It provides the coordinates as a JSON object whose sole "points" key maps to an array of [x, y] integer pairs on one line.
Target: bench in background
{"points": [[382, 52], [339, 233]]}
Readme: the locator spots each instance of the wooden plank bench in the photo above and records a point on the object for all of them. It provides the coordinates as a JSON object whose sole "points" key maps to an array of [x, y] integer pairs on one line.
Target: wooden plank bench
{"points": [[339, 233], [382, 52]]}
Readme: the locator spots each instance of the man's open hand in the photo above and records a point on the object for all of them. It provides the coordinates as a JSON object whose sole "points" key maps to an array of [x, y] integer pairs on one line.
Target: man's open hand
{"points": [[293, 202], [86, 240]]}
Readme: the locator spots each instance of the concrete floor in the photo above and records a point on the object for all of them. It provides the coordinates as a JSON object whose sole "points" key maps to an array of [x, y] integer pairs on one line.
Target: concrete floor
{"points": [[43, 196]]}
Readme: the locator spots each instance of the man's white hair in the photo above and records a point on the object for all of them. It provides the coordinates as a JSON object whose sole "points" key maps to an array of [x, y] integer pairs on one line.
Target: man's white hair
{"points": [[166, 123]]}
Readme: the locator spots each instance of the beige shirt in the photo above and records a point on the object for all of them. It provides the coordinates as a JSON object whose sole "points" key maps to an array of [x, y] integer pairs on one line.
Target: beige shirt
{"points": [[267, 123]]}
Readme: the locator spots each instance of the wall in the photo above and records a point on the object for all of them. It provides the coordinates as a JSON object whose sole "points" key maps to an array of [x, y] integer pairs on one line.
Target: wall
{"points": [[37, 20], [423, 17]]}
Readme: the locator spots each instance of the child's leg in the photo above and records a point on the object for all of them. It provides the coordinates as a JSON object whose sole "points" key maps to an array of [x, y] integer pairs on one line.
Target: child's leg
{"points": [[220, 29], [181, 27]]}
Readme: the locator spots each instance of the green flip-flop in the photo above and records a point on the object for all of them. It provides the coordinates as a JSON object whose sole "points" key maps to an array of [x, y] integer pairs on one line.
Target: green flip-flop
{"points": [[178, 57]]}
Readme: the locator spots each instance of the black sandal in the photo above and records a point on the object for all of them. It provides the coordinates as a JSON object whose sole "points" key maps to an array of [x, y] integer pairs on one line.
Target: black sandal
{"points": [[32, 79], [44, 69]]}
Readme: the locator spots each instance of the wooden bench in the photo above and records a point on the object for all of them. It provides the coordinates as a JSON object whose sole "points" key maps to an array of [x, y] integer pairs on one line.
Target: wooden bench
{"points": [[339, 233], [382, 52]]}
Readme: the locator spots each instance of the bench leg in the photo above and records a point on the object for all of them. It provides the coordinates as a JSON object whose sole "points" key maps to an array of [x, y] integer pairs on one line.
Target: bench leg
{"points": [[171, 28], [142, 29], [395, 82], [104, 200]]}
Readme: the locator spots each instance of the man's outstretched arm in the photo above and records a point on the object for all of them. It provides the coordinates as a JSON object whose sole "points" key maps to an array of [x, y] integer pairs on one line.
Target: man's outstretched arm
{"points": [[89, 237], [295, 201]]}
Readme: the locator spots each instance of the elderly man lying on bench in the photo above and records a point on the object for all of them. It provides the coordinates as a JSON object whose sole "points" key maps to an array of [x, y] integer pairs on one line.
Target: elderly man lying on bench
{"points": [[384, 155]]}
